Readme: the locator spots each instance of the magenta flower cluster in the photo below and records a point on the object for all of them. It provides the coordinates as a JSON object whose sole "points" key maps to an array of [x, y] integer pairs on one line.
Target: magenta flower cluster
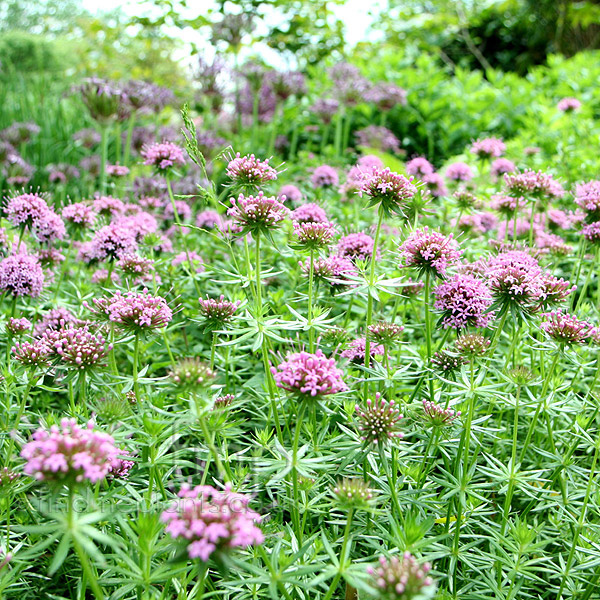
{"points": [[533, 183], [309, 213], [401, 578], [387, 188], [429, 250], [163, 156], [324, 176], [217, 311], [587, 196], [378, 421], [565, 328], [488, 148], [256, 213], [314, 235], [357, 246], [356, 350], [250, 171], [21, 275], [307, 374], [207, 520]]}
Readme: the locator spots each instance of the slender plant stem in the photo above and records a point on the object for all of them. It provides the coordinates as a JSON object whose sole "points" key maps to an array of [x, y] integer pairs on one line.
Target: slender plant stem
{"points": [[427, 292], [295, 508], [103, 157], [212, 448], [345, 542], [136, 356], [311, 275]]}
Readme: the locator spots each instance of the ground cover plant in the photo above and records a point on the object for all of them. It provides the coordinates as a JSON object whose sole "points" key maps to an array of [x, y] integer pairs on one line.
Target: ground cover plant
{"points": [[274, 342]]}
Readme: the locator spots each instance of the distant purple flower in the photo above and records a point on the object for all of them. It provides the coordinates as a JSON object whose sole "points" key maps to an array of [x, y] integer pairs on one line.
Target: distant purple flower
{"points": [[18, 326], [50, 228], [569, 105], [137, 312], [336, 270], [184, 212], [429, 250], [26, 210], [54, 319], [250, 171], [291, 193], [357, 348], [112, 242], [566, 329], [80, 214], [69, 453], [101, 276], [386, 95], [17, 171], [134, 264], [438, 416], [287, 83], [21, 275], [390, 190], [532, 183], [314, 235], [488, 148], [163, 156], [435, 184], [140, 224], [376, 136], [506, 205], [209, 219], [357, 246], [459, 171], [369, 162], [385, 332], [324, 176], [117, 170], [87, 137], [464, 301], [107, 205], [325, 108], [587, 196], [419, 167], [310, 375], [591, 232], [20, 133], [378, 422], [185, 258], [207, 520], [104, 99], [257, 213], [309, 213], [501, 166]]}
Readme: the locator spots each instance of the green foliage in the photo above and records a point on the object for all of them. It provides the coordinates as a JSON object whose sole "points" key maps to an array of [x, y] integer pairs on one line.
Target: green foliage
{"points": [[25, 52]]}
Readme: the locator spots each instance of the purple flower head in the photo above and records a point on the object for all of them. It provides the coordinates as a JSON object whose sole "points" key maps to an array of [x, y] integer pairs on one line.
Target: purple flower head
{"points": [[222, 402], [184, 211], [134, 264], [376, 136], [390, 190], [287, 83], [209, 219], [385, 332], [104, 99], [117, 170], [435, 184], [206, 520], [356, 350], [464, 301], [16, 170], [309, 375], [488, 148], [447, 363], [20, 133], [568, 105], [419, 167], [506, 205], [18, 326], [532, 183], [587, 196], [429, 250], [62, 172], [50, 228], [107, 205], [459, 171], [79, 214], [438, 416], [69, 453], [386, 95], [77, 347], [217, 311], [309, 213], [311, 235], [163, 156], [32, 354], [554, 289], [401, 579], [26, 210], [249, 171], [591, 232], [21, 275], [257, 213], [336, 270], [566, 329], [357, 246], [185, 258], [501, 166], [112, 242], [291, 193], [378, 421], [88, 138], [54, 319], [325, 109], [369, 162], [324, 176], [471, 345]]}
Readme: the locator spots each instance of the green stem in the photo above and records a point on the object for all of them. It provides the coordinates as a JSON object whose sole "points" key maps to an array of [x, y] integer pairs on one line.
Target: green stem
{"points": [[136, 355], [103, 157], [311, 331], [426, 295], [213, 449], [345, 541], [212, 350], [295, 508]]}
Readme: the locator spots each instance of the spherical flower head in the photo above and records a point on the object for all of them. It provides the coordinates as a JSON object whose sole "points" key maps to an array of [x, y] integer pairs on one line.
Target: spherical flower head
{"points": [[568, 105], [435, 185], [390, 190], [459, 171], [488, 148], [309, 213], [206, 520], [121, 466], [217, 312], [378, 137], [501, 166], [438, 416], [429, 250], [291, 193], [191, 373], [109, 206], [325, 108], [50, 228], [184, 212], [7, 478], [385, 333], [70, 453], [419, 167], [103, 98], [447, 363], [163, 156], [464, 301], [567, 329], [77, 347], [32, 354], [54, 319], [401, 579], [521, 375], [357, 246], [554, 289], [223, 402], [324, 176], [515, 277], [209, 219], [79, 214], [313, 236], [334, 336], [587, 196], [137, 312], [254, 214], [112, 242], [117, 171], [336, 270], [412, 288], [506, 205], [465, 199], [21, 275], [591, 232], [356, 350], [134, 264], [353, 494], [185, 258], [18, 326], [378, 421], [531, 183], [309, 375], [26, 210], [249, 171], [386, 95], [471, 345]]}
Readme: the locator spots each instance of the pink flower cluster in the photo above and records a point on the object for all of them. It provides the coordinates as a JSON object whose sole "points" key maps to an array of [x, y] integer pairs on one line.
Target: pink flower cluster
{"points": [[357, 246], [112, 242], [356, 350], [501, 166], [254, 213], [401, 579], [567, 329], [587, 196], [32, 210], [427, 249], [314, 235], [591, 232], [464, 301], [208, 520], [309, 213], [249, 170], [163, 156], [488, 147], [291, 193], [437, 415], [568, 104], [80, 214], [70, 453], [335, 269], [387, 188], [459, 171], [17, 326], [21, 275], [379, 420], [324, 176], [532, 183], [218, 311], [419, 166], [76, 347], [309, 374]]}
